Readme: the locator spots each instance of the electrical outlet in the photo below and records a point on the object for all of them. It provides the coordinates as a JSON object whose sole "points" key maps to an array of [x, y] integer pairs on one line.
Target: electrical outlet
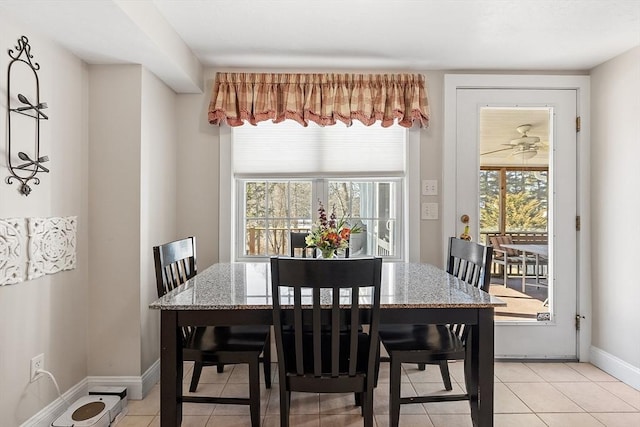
{"points": [[36, 363], [429, 187]]}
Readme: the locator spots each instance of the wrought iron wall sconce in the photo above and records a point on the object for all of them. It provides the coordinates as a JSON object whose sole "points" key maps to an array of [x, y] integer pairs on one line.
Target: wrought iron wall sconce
{"points": [[25, 172]]}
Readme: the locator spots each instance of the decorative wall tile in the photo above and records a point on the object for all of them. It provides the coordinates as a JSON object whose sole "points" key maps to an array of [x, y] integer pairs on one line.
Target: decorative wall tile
{"points": [[52, 245], [11, 237]]}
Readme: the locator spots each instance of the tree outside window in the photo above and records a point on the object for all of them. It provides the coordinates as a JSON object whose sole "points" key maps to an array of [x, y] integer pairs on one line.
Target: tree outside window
{"points": [[520, 205]]}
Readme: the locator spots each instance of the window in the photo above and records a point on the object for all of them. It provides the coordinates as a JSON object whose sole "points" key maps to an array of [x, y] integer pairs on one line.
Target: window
{"points": [[269, 212], [271, 209], [281, 171], [513, 199]]}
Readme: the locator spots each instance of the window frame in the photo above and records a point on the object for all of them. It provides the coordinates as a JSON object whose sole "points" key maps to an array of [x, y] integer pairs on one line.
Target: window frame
{"points": [[227, 191], [319, 190]]}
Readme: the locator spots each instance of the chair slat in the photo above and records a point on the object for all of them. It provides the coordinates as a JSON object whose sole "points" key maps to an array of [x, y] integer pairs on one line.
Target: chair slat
{"points": [[298, 332], [317, 334], [355, 315], [335, 332]]}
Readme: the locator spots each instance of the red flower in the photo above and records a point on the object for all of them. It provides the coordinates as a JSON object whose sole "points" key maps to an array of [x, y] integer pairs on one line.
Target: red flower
{"points": [[329, 233], [345, 233], [333, 238]]}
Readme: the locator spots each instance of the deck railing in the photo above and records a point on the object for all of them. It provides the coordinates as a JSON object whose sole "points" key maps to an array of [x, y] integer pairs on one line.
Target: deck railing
{"points": [[518, 237], [259, 243], [275, 241]]}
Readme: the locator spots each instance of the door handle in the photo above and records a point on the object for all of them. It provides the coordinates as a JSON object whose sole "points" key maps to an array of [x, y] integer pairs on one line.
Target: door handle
{"points": [[465, 234]]}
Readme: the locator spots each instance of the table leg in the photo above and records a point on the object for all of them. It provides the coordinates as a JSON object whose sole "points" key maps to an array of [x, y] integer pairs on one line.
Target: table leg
{"points": [[472, 372], [524, 272], [485, 355], [170, 370]]}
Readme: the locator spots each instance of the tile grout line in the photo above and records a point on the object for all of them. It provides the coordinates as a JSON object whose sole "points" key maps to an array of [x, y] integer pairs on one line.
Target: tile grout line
{"points": [[412, 383]]}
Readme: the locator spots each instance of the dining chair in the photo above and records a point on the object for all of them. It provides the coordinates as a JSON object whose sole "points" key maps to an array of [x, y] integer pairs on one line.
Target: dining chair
{"points": [[297, 241], [175, 264], [435, 344], [312, 300]]}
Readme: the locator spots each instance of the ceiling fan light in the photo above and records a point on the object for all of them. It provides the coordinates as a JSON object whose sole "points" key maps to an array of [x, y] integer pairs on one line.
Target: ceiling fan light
{"points": [[523, 129]]}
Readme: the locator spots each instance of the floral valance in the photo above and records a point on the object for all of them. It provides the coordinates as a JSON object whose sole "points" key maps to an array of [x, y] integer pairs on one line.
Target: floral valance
{"points": [[321, 98]]}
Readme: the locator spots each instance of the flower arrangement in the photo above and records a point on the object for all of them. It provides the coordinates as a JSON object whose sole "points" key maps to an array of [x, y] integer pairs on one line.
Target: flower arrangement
{"points": [[329, 235]]}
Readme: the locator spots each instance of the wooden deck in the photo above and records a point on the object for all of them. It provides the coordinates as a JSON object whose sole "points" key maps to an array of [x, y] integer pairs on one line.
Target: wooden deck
{"points": [[519, 306]]}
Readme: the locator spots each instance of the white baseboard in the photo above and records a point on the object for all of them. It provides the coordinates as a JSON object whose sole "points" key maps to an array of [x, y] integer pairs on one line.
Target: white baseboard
{"points": [[615, 366], [49, 413], [137, 388], [150, 378]]}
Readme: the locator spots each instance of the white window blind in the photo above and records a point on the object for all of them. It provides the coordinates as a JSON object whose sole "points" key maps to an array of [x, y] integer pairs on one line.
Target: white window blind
{"points": [[288, 147]]}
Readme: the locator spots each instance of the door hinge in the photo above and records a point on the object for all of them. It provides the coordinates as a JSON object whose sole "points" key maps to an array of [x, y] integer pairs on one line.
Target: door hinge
{"points": [[578, 124], [577, 222], [578, 317]]}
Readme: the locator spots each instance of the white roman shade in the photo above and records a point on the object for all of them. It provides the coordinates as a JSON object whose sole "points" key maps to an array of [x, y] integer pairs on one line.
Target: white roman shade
{"points": [[289, 148]]}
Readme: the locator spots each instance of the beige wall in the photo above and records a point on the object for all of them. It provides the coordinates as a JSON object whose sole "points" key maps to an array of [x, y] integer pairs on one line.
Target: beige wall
{"points": [[132, 208], [158, 205], [431, 143], [615, 178], [112, 129], [47, 315], [114, 219], [198, 163]]}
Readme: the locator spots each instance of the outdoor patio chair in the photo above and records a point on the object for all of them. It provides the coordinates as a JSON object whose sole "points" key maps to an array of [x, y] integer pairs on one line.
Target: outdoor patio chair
{"points": [[506, 258]]}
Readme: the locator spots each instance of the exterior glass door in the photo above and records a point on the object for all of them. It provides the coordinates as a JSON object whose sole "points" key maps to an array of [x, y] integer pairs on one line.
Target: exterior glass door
{"points": [[516, 179]]}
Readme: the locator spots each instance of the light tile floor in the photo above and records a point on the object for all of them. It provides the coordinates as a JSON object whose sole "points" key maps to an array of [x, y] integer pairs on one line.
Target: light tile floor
{"points": [[526, 395]]}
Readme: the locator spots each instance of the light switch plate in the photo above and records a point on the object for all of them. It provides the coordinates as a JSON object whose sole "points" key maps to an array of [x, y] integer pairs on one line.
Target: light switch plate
{"points": [[429, 187], [429, 211]]}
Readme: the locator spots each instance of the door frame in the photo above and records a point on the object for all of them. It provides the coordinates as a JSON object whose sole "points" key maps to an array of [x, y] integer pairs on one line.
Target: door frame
{"points": [[453, 82]]}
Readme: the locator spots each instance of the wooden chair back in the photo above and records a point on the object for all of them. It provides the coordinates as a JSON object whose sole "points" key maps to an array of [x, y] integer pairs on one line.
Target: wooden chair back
{"points": [[297, 241], [175, 264], [322, 355], [470, 262]]}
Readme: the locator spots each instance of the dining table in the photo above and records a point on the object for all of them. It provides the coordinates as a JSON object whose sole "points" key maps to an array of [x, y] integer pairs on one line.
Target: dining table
{"points": [[227, 294], [538, 251]]}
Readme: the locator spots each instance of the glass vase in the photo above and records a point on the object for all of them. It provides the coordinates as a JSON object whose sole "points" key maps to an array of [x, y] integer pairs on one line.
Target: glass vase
{"points": [[327, 253]]}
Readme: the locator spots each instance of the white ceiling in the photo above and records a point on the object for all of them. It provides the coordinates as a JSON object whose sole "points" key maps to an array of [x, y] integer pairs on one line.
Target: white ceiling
{"points": [[176, 39], [419, 35], [498, 126]]}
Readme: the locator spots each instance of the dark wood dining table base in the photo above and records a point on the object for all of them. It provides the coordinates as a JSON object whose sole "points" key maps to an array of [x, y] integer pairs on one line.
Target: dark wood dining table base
{"points": [[480, 350]]}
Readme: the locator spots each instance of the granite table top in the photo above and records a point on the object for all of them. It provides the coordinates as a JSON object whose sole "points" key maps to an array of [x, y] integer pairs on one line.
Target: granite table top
{"points": [[241, 286]]}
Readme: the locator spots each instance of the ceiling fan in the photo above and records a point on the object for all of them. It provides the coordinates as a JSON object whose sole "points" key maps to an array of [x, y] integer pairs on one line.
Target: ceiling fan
{"points": [[526, 146]]}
